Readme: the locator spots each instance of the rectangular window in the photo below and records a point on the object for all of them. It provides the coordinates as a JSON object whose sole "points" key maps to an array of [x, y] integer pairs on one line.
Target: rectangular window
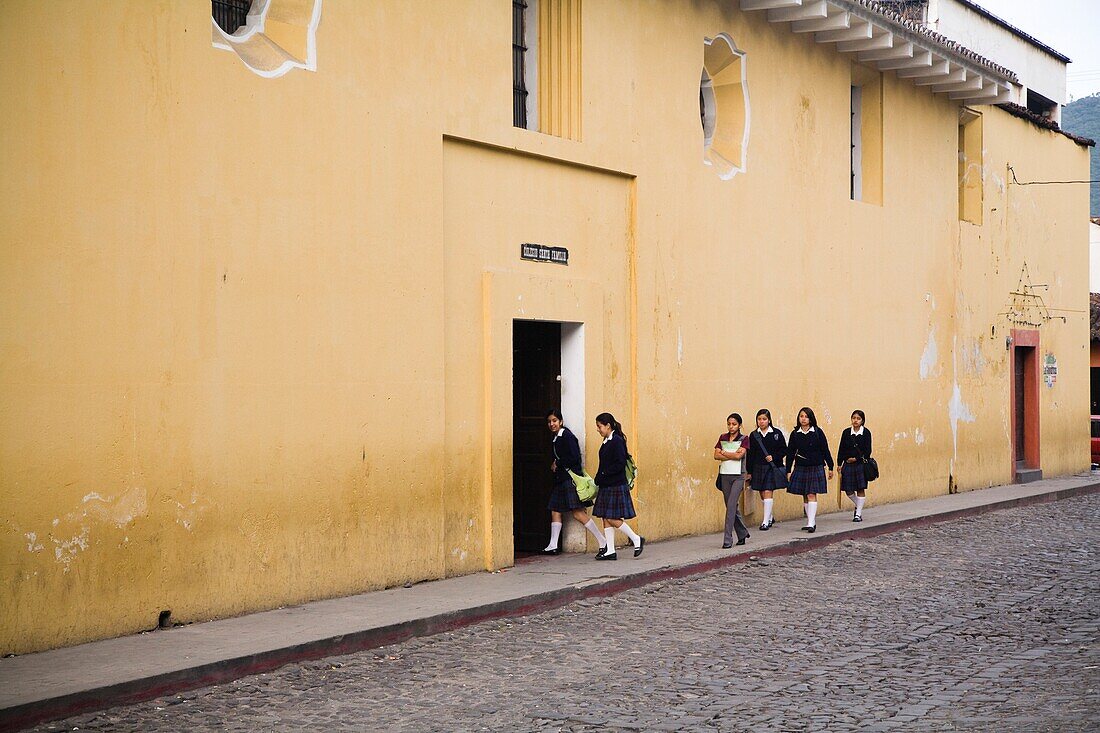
{"points": [[856, 163], [519, 63], [971, 168], [866, 135]]}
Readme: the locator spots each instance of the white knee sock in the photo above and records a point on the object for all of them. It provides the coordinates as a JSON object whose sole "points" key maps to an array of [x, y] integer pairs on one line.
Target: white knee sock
{"points": [[555, 532], [860, 501], [853, 498], [590, 525], [768, 510], [609, 538], [634, 538], [811, 513]]}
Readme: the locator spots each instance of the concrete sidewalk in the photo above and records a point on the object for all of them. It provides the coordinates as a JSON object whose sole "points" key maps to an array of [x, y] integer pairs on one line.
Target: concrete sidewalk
{"points": [[63, 682]]}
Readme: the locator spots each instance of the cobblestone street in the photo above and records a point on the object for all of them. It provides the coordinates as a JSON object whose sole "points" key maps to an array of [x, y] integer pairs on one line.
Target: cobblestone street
{"points": [[979, 624]]}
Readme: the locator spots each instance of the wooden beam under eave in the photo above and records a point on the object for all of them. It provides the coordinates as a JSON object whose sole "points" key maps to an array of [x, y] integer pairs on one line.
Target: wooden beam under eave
{"points": [[810, 9], [919, 62], [989, 91], [747, 5], [885, 40], [955, 74], [858, 31], [972, 83], [840, 21], [900, 51]]}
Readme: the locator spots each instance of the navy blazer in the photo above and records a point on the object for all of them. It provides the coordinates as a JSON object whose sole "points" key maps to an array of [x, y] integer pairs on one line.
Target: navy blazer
{"points": [[852, 446], [567, 452], [777, 448], [612, 470], [809, 449]]}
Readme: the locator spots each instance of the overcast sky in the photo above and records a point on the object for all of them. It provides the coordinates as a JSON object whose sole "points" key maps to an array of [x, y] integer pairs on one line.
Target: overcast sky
{"points": [[1071, 27]]}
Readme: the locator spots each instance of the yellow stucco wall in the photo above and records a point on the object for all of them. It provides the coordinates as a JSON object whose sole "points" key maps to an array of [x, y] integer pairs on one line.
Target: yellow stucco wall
{"points": [[255, 333]]}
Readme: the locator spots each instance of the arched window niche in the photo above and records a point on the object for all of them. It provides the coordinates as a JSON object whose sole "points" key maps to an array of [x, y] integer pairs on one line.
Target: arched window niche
{"points": [[724, 106], [279, 35]]}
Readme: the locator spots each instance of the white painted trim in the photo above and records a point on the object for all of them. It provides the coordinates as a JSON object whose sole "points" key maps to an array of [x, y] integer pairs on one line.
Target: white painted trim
{"points": [[257, 20], [572, 379], [733, 170]]}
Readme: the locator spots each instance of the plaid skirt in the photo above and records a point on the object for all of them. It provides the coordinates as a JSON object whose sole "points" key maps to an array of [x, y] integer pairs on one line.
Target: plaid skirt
{"points": [[809, 480], [563, 498], [765, 479], [614, 502], [852, 478]]}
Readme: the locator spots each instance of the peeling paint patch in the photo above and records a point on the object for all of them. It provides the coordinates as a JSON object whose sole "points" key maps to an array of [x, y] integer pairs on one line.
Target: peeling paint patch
{"points": [[33, 545], [119, 512], [679, 346], [918, 436], [65, 551], [930, 356]]}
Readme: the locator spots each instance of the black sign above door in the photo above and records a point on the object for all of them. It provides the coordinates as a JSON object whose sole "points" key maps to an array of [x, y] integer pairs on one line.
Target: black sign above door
{"points": [[542, 253]]}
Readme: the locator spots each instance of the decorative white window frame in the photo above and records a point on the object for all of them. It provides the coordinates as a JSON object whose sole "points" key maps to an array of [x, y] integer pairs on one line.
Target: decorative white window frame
{"points": [[726, 169], [263, 56]]}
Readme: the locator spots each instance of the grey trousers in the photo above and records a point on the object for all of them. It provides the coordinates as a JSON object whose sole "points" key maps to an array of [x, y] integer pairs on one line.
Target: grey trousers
{"points": [[732, 486]]}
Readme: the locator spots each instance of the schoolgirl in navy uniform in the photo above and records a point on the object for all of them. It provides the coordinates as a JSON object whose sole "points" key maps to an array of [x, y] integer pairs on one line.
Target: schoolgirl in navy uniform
{"points": [[763, 464], [563, 497], [855, 445], [807, 456], [613, 503]]}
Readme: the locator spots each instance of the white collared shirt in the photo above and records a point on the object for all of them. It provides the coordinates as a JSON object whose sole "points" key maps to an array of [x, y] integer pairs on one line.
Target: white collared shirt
{"points": [[806, 431], [609, 436], [857, 432], [764, 433], [559, 434]]}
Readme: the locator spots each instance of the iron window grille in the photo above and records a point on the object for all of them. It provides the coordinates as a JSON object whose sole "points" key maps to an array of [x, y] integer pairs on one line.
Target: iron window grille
{"points": [[519, 61], [230, 14]]}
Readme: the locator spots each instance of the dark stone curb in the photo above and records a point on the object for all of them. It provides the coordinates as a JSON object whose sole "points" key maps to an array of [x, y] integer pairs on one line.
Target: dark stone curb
{"points": [[30, 714]]}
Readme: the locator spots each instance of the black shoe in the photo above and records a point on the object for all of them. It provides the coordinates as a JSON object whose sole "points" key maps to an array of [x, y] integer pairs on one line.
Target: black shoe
{"points": [[857, 518], [555, 551], [771, 522], [601, 552], [742, 540], [811, 530], [605, 556], [640, 547], [727, 545], [764, 527], [807, 528]]}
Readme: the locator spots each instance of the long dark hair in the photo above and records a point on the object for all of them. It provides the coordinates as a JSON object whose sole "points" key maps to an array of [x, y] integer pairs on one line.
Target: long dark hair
{"points": [[606, 418], [809, 414], [862, 417], [740, 422], [767, 414]]}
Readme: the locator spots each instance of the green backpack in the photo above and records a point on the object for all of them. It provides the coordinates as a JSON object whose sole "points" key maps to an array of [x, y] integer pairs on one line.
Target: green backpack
{"points": [[631, 472]]}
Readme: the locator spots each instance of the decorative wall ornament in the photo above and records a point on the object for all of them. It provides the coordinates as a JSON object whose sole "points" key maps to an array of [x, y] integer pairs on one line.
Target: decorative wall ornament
{"points": [[279, 35], [724, 106], [1026, 307]]}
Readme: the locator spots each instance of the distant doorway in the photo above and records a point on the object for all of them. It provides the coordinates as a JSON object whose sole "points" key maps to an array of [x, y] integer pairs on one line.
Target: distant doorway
{"points": [[1025, 406], [536, 388]]}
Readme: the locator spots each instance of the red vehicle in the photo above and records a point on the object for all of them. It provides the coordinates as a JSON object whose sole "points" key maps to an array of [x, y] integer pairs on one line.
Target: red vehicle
{"points": [[1095, 432]]}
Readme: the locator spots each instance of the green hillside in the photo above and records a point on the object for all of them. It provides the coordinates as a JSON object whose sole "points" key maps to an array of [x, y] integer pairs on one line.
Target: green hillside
{"points": [[1082, 117]]}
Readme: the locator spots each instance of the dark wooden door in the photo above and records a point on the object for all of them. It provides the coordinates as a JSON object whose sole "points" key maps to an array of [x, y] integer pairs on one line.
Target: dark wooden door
{"points": [[536, 389], [1019, 377]]}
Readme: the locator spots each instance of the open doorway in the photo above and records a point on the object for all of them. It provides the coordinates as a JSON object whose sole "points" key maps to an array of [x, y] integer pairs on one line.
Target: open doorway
{"points": [[1025, 406], [536, 388]]}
